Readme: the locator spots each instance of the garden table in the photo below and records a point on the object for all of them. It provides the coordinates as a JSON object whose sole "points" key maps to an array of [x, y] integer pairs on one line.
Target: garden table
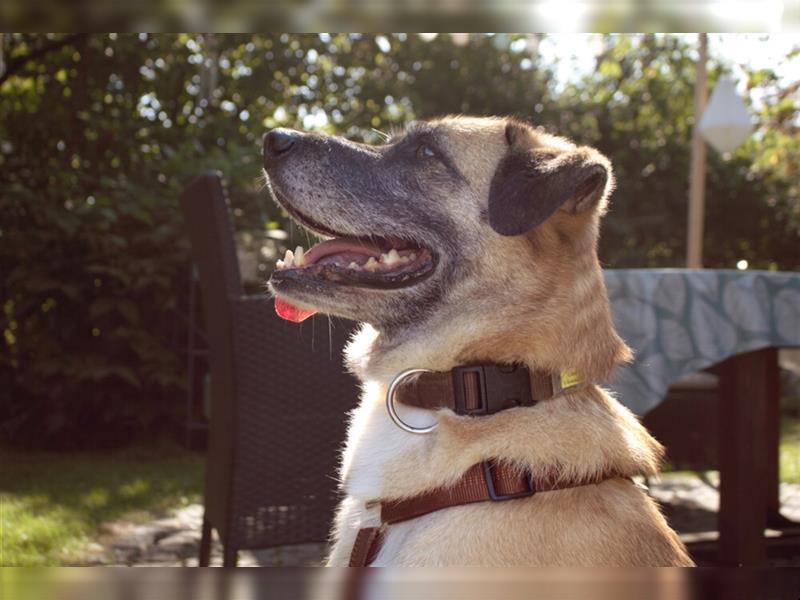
{"points": [[681, 321]]}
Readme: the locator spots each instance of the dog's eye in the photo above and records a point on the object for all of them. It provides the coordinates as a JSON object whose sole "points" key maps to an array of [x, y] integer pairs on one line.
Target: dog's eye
{"points": [[425, 151]]}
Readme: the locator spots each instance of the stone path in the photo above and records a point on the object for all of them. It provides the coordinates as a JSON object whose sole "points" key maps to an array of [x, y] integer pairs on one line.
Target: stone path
{"points": [[174, 542], [688, 502]]}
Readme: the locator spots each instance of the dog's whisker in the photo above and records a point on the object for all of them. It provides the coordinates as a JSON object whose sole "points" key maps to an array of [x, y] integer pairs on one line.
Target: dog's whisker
{"points": [[384, 136], [313, 331], [330, 339]]}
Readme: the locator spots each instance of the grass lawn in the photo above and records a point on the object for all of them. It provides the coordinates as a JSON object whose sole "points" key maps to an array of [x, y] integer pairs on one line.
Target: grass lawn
{"points": [[52, 505], [790, 450]]}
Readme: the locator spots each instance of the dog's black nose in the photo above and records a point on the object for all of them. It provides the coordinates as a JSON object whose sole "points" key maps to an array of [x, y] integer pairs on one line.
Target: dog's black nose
{"points": [[278, 143]]}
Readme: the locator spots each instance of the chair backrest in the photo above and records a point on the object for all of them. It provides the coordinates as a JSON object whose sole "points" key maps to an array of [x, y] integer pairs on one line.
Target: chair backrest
{"points": [[279, 397], [205, 208]]}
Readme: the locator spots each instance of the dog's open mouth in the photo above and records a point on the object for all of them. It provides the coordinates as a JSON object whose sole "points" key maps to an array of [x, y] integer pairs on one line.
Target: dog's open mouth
{"points": [[368, 262], [378, 262]]}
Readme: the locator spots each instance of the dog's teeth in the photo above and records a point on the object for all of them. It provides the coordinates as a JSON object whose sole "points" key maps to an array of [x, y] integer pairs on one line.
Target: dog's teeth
{"points": [[280, 265], [288, 259], [371, 264], [392, 258], [299, 257], [354, 265], [412, 256]]}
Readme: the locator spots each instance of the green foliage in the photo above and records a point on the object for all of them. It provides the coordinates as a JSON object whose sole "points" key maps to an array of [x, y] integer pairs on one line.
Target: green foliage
{"points": [[99, 133], [88, 285]]}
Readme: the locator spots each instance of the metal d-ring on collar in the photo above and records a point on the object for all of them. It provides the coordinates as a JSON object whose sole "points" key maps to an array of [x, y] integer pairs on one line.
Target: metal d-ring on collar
{"points": [[390, 403]]}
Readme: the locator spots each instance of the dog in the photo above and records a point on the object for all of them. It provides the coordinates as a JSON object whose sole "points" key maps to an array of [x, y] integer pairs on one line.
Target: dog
{"points": [[466, 240]]}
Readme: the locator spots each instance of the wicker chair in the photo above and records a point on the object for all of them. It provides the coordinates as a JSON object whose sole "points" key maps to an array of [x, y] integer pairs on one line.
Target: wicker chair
{"points": [[278, 400]]}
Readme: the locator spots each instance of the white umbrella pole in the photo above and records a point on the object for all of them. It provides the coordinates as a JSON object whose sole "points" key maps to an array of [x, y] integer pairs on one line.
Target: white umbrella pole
{"points": [[697, 173]]}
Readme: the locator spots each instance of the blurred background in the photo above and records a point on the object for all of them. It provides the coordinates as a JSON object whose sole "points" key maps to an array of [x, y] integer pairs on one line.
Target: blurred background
{"points": [[99, 133]]}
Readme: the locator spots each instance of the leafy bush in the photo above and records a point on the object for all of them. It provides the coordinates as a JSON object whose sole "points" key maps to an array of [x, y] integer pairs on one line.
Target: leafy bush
{"points": [[93, 249]]}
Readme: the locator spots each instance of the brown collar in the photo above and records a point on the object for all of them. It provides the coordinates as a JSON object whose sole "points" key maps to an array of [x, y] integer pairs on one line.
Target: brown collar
{"points": [[483, 389], [488, 481]]}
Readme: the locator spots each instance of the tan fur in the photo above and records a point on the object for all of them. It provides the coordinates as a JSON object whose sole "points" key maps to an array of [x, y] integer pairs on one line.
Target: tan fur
{"points": [[539, 299]]}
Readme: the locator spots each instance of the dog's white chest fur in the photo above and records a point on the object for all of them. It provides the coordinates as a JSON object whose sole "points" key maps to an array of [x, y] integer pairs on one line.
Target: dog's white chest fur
{"points": [[374, 440], [374, 444]]}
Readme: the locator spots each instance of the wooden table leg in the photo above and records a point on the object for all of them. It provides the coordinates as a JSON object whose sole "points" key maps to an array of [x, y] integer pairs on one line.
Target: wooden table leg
{"points": [[744, 389], [773, 442]]}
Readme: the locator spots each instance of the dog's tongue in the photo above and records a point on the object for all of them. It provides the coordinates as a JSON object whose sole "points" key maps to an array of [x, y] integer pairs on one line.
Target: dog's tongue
{"points": [[290, 312]]}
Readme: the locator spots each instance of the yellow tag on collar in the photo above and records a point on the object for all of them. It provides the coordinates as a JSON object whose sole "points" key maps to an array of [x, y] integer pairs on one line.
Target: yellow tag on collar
{"points": [[569, 379]]}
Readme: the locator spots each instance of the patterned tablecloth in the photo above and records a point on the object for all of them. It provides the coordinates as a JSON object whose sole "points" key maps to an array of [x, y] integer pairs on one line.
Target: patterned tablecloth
{"points": [[679, 321]]}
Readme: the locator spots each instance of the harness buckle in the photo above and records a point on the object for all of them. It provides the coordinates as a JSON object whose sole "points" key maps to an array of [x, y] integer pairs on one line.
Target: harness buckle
{"points": [[496, 497], [499, 387]]}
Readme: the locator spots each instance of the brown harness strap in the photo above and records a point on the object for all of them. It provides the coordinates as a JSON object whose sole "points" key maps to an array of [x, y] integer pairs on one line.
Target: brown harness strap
{"points": [[481, 389], [484, 482], [366, 547]]}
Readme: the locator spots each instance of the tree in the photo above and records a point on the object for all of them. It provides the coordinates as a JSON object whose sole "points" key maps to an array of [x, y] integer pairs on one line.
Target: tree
{"points": [[637, 107]]}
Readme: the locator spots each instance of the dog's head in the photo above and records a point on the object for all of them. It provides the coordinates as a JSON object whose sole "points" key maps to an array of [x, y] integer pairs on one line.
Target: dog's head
{"points": [[455, 217]]}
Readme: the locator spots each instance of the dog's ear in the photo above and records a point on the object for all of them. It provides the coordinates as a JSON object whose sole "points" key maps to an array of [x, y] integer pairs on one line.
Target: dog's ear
{"points": [[530, 184]]}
